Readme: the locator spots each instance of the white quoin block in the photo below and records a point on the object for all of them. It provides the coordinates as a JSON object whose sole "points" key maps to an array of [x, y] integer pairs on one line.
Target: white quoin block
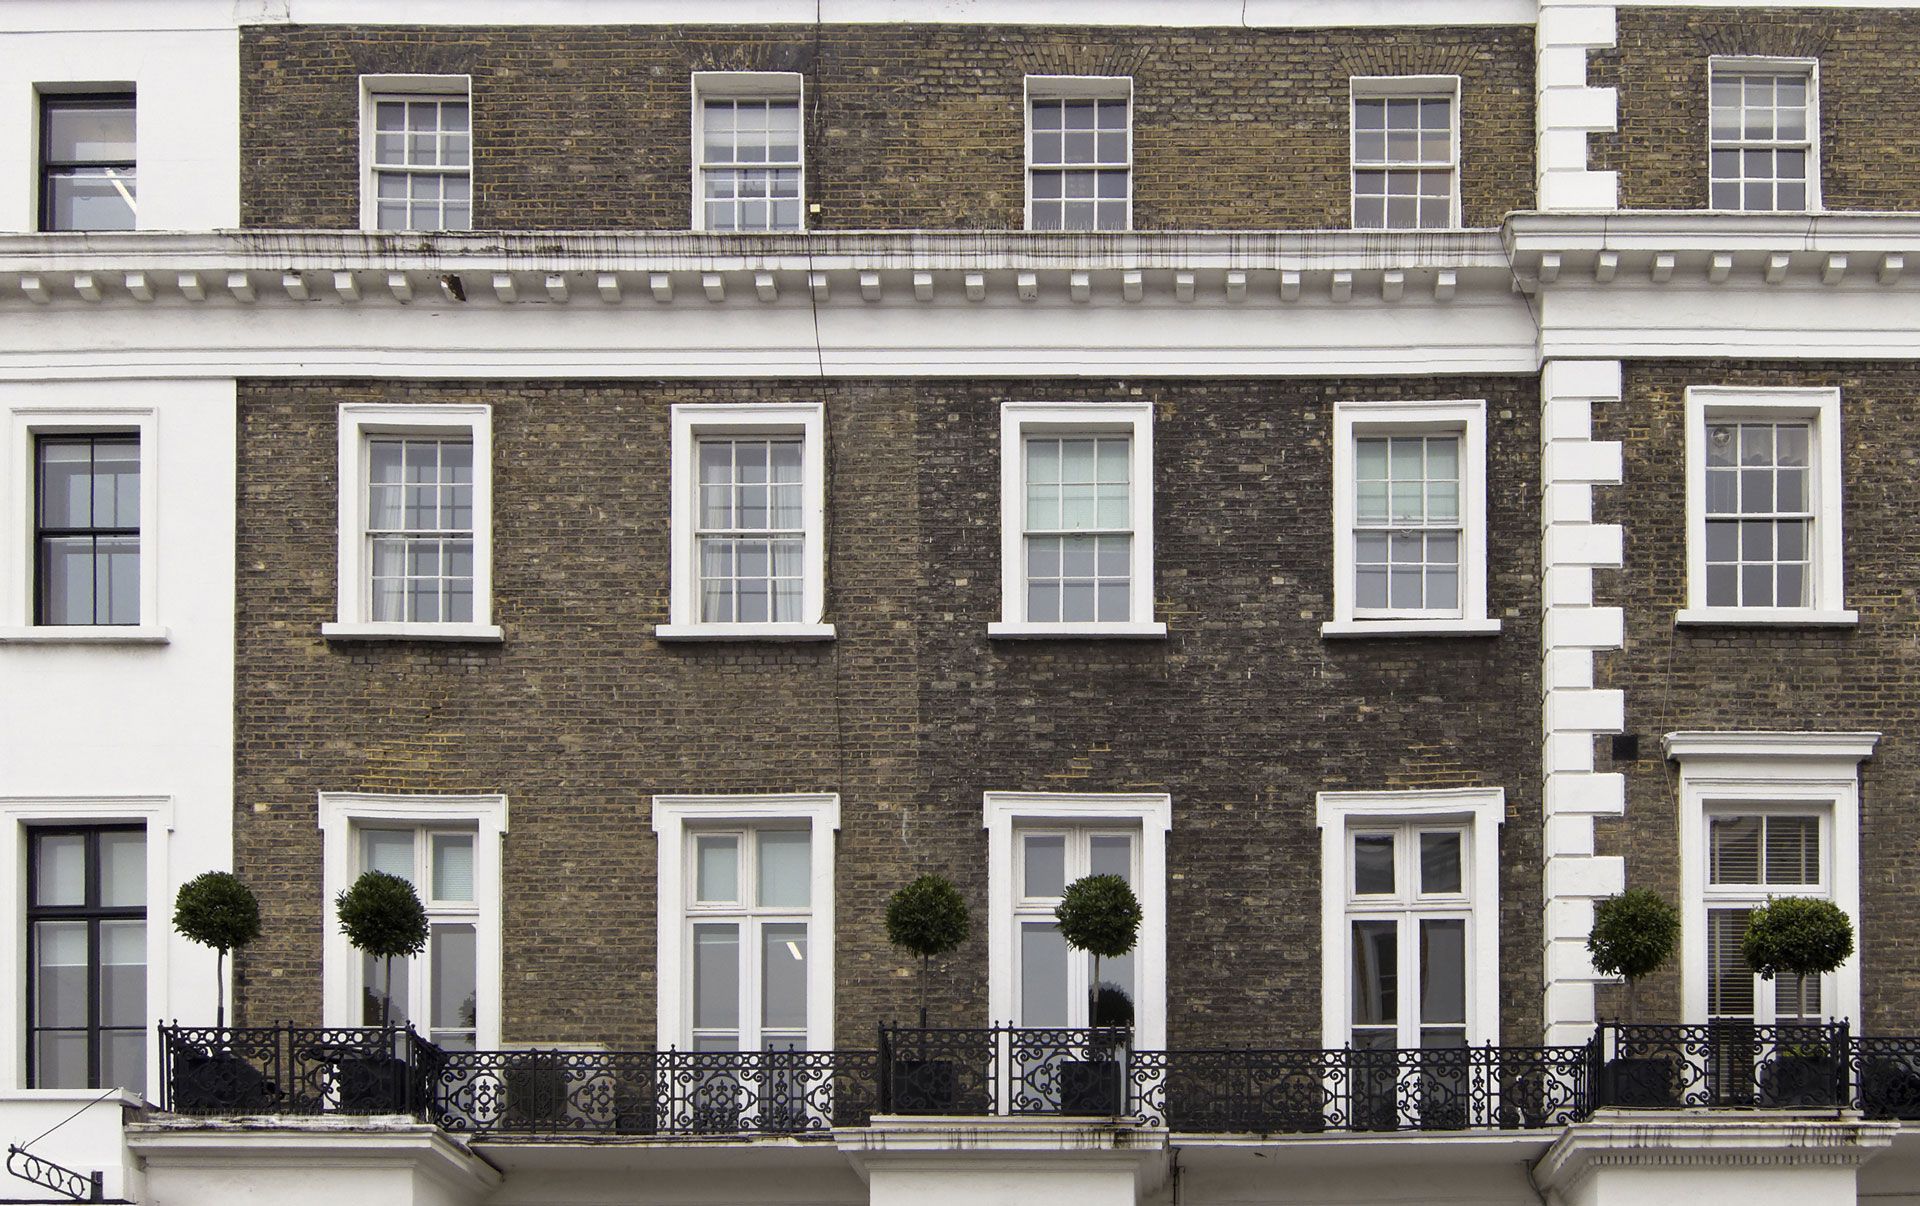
{"points": [[1569, 586], [1590, 627], [1568, 752], [1561, 66], [1579, 190], [1569, 836], [1575, 25], [1592, 379], [1584, 544], [1564, 418], [1596, 794], [1567, 959], [1566, 502], [1583, 461], [1579, 108], [1569, 668], [1569, 916], [1570, 1005], [1595, 876], [1602, 711]]}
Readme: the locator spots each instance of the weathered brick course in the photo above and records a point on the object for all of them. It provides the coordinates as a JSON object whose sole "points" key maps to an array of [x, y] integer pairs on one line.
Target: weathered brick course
{"points": [[907, 126], [580, 717], [1774, 678], [1867, 103]]}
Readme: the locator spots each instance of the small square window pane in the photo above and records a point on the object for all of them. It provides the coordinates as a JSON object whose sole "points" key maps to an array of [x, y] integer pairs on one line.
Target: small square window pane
{"points": [[1043, 865], [1723, 585], [1110, 854], [123, 869], [389, 851], [452, 866], [717, 869], [1043, 601], [1370, 587], [60, 869], [786, 868], [1373, 864], [1439, 862]]}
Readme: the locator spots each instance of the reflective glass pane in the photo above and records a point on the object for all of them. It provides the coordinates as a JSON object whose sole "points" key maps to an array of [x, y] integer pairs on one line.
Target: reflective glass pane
{"points": [[783, 976], [453, 866], [388, 850], [60, 973], [91, 199], [375, 989], [455, 959], [90, 131], [1045, 864], [1376, 975], [1043, 975], [717, 868], [716, 976], [1733, 850], [786, 868], [1443, 971], [60, 869], [1729, 978], [123, 1059], [1110, 854], [123, 973], [123, 869], [60, 1060], [1373, 864]]}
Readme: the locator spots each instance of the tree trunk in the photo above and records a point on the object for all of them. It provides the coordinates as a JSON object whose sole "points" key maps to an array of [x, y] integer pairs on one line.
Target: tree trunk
{"points": [[220, 988]]}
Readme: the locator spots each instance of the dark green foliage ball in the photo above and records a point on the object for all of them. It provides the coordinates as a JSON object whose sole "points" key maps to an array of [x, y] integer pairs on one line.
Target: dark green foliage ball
{"points": [[1633, 934], [381, 915], [1798, 936], [1099, 915], [928, 917], [216, 909]]}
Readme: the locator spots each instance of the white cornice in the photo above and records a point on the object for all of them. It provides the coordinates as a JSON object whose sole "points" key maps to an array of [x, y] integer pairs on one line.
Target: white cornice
{"points": [[1847, 746], [1678, 1141], [1658, 247]]}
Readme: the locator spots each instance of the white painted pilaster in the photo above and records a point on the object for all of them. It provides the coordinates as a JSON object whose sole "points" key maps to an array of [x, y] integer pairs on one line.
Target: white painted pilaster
{"points": [[1568, 108]]}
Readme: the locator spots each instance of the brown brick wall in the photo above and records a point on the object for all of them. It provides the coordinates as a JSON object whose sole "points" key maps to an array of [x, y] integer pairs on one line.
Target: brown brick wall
{"points": [[908, 127], [1760, 678], [1868, 104], [580, 717]]}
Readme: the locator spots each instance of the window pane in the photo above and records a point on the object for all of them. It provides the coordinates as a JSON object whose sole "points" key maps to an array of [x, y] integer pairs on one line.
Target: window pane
{"points": [[123, 1059], [1110, 854], [90, 131], [1116, 992], [716, 976], [388, 850], [1043, 975], [123, 869], [1733, 850], [786, 869], [91, 199], [717, 874], [1439, 862], [1443, 971], [60, 869], [783, 976], [60, 973], [455, 959], [1373, 864], [373, 979], [1793, 850], [1376, 962], [1045, 858], [123, 973], [452, 866], [60, 1060], [1729, 979]]}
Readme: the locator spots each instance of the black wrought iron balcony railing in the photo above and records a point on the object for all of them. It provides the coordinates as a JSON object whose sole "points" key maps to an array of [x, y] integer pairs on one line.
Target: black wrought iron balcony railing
{"points": [[1023, 1071], [294, 1069]]}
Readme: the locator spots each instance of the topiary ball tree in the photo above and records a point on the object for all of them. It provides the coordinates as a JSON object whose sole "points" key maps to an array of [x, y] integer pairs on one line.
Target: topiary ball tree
{"points": [[1633, 936], [929, 918], [1797, 936], [382, 916], [1099, 915], [216, 909]]}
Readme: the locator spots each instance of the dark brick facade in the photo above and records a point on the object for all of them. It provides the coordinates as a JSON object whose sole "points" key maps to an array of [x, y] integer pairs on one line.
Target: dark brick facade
{"points": [[580, 716], [1771, 678], [1866, 99], [907, 126]]}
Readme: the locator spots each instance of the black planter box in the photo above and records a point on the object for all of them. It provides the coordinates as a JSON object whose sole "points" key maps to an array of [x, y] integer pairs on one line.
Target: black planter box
{"points": [[219, 1082], [375, 1084], [1805, 1081], [1089, 1086], [1890, 1087], [1640, 1082], [925, 1086]]}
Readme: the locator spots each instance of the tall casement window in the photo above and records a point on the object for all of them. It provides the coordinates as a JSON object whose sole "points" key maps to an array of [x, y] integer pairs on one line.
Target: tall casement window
{"points": [[1410, 519], [1077, 516], [1406, 153], [449, 849], [87, 957], [1763, 152], [1079, 153], [749, 911], [748, 519], [87, 162], [1056, 986], [1410, 918], [87, 529], [417, 134], [746, 921], [1761, 816], [748, 157], [415, 508], [1763, 493], [436, 989]]}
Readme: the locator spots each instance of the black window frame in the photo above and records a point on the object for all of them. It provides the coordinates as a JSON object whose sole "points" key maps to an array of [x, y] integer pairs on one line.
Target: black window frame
{"points": [[51, 103], [43, 533], [93, 913]]}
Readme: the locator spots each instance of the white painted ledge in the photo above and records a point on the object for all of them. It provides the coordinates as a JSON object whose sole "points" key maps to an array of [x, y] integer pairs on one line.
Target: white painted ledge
{"points": [[1352, 629], [1142, 630], [86, 634], [1772, 617], [743, 632], [477, 633]]}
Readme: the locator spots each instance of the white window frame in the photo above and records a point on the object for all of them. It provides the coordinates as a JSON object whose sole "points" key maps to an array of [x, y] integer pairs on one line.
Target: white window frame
{"points": [[1465, 418], [358, 422], [1744, 772], [1826, 572], [1764, 65], [1377, 87], [376, 87], [1074, 87], [19, 478], [343, 816], [1018, 420], [673, 817], [744, 85], [1482, 810], [17, 815], [692, 421], [419, 995], [1004, 815]]}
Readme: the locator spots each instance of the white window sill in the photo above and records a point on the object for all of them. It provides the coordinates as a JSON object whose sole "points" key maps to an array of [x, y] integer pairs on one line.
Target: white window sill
{"points": [[1772, 617], [86, 634], [743, 632], [1342, 629], [486, 633], [1138, 630]]}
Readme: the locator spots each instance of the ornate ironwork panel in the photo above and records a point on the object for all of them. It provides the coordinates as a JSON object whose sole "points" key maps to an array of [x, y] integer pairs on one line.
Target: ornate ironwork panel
{"points": [[1799, 1064]]}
